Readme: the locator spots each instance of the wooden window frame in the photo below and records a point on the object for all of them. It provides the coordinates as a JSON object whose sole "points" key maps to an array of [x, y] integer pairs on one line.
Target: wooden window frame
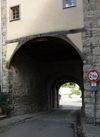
{"points": [[15, 13]]}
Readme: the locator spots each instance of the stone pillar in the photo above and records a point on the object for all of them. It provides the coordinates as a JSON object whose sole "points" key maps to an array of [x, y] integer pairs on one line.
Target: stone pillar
{"points": [[56, 102], [4, 71], [0, 48], [91, 51]]}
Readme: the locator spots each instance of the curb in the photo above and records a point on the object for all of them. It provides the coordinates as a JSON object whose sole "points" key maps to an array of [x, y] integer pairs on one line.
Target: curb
{"points": [[3, 117]]}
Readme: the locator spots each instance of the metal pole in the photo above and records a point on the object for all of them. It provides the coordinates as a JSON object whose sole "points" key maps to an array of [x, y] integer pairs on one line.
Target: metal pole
{"points": [[94, 107]]}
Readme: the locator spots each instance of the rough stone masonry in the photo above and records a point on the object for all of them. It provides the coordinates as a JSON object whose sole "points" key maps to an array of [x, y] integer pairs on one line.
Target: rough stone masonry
{"points": [[91, 51]]}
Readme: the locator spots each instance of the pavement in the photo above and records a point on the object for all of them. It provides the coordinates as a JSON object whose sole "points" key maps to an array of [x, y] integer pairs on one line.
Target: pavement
{"points": [[89, 130], [54, 124], [11, 121]]}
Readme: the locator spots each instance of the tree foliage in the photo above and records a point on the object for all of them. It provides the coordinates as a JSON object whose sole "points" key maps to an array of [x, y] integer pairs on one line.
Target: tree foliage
{"points": [[69, 85]]}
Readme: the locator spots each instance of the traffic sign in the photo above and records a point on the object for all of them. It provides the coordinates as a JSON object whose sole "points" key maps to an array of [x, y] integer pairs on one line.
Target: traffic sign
{"points": [[93, 76]]}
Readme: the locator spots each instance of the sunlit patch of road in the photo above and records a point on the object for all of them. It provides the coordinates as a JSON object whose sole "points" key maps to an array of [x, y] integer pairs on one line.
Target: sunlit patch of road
{"points": [[73, 102]]}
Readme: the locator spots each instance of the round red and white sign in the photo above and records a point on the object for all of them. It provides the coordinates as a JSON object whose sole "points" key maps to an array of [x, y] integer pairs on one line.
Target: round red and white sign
{"points": [[93, 75]]}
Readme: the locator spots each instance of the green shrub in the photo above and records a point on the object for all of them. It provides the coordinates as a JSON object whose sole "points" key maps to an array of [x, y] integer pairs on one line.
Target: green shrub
{"points": [[76, 92], [4, 103], [69, 85]]}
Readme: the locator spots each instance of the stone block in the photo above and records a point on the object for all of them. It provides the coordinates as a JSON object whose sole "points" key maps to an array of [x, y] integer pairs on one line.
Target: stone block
{"points": [[98, 22], [96, 51]]}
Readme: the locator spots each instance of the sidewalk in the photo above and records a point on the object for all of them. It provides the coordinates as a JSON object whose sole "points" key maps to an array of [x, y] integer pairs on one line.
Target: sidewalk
{"points": [[89, 130]]}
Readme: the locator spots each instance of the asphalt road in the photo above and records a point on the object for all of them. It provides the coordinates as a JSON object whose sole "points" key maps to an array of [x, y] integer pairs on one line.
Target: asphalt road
{"points": [[56, 124]]}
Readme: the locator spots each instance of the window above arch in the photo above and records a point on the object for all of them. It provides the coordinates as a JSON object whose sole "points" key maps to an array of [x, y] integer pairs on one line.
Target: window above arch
{"points": [[69, 3], [15, 13]]}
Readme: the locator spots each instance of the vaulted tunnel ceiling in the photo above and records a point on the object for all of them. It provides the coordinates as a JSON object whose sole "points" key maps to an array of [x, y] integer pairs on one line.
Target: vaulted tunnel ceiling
{"points": [[49, 49]]}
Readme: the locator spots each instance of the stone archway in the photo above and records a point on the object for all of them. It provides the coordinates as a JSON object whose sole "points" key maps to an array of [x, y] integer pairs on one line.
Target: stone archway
{"points": [[35, 67], [55, 83]]}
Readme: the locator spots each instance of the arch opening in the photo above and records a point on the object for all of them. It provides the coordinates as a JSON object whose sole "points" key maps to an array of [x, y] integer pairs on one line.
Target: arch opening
{"points": [[38, 68], [70, 96]]}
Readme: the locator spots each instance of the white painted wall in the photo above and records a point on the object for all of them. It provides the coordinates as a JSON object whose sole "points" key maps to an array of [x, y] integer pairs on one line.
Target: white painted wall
{"points": [[77, 40], [10, 50], [41, 16]]}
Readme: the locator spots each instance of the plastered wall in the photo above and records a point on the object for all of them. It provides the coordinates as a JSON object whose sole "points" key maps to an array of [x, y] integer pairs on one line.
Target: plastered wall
{"points": [[43, 16]]}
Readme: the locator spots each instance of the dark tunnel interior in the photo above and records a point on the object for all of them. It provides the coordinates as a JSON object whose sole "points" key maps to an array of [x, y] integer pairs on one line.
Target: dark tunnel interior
{"points": [[38, 68]]}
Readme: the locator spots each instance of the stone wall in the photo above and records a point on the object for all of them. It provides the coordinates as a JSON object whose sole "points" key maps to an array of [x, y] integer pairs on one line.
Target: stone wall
{"points": [[0, 46], [91, 51]]}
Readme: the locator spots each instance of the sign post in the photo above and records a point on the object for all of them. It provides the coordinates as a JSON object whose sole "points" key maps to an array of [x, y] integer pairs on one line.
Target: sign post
{"points": [[94, 89], [93, 76]]}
